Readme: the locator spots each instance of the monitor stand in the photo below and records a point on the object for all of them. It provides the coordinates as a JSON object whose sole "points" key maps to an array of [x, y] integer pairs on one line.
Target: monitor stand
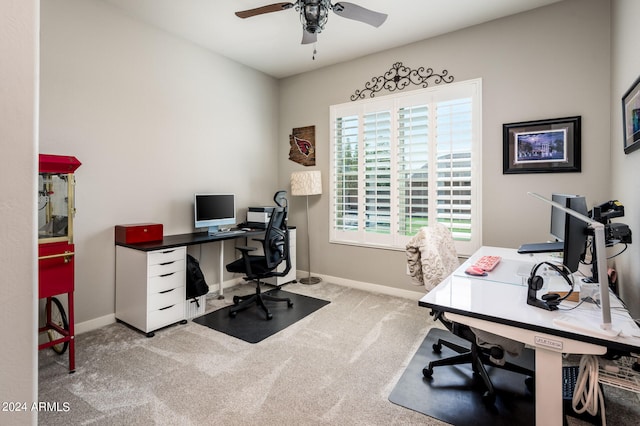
{"points": [[213, 230]]}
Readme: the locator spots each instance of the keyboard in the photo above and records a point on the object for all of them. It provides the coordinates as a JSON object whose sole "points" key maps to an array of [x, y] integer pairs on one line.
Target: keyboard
{"points": [[231, 232], [552, 247], [487, 263]]}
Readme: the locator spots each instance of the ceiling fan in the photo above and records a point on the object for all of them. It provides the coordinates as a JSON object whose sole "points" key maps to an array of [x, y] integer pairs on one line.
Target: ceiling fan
{"points": [[314, 15]]}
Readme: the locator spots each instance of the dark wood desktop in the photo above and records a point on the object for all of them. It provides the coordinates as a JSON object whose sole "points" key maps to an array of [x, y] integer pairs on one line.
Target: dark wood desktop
{"points": [[181, 240]]}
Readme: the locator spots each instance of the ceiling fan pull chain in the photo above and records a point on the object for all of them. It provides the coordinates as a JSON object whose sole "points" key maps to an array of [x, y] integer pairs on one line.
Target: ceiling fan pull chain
{"points": [[314, 52]]}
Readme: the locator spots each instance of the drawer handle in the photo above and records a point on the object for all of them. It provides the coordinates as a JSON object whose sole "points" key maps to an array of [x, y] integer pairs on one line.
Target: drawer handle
{"points": [[167, 291], [166, 275], [168, 251], [167, 263], [162, 309]]}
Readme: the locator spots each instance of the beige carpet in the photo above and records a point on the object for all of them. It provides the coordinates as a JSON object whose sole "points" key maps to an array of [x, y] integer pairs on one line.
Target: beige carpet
{"points": [[334, 367]]}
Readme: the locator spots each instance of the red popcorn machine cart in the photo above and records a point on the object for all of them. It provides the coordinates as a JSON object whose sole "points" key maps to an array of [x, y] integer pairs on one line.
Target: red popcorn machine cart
{"points": [[56, 254]]}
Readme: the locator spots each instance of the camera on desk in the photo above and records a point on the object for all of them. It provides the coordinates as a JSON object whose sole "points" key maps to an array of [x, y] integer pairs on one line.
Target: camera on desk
{"points": [[614, 232], [617, 232]]}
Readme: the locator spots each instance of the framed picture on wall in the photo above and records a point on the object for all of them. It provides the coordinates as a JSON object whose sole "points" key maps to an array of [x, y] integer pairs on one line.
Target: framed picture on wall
{"points": [[543, 146], [631, 117]]}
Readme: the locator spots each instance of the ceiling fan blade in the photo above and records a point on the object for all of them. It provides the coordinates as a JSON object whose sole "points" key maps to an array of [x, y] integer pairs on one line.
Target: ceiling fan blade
{"points": [[276, 7], [308, 38], [359, 13]]}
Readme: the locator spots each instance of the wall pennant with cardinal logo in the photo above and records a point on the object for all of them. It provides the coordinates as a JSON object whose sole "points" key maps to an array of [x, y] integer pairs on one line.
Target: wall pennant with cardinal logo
{"points": [[303, 145]]}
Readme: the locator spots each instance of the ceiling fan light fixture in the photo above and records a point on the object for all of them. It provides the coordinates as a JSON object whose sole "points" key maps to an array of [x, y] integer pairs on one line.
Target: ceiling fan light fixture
{"points": [[314, 15]]}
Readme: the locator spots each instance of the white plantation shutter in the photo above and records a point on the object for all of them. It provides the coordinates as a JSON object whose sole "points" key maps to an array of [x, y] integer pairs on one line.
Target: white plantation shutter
{"points": [[453, 166], [400, 161], [377, 172], [413, 169], [345, 172]]}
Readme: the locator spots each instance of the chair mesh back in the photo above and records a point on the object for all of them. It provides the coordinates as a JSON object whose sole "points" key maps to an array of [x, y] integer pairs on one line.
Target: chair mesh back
{"points": [[276, 235], [280, 199]]}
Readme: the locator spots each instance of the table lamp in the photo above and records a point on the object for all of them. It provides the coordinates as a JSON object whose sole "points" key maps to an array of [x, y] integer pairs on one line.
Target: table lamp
{"points": [[307, 183]]}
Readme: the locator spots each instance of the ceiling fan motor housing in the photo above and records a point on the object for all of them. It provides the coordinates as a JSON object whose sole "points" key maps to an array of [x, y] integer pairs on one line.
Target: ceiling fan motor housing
{"points": [[314, 15]]}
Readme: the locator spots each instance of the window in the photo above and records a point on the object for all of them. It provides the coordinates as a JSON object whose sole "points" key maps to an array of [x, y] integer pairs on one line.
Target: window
{"points": [[401, 160]]}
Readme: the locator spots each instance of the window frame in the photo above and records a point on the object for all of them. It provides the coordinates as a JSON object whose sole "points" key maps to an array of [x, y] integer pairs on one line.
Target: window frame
{"points": [[394, 102]]}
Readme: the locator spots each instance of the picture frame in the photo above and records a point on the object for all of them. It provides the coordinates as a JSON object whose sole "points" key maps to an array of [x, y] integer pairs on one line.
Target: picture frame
{"points": [[631, 117], [542, 146]]}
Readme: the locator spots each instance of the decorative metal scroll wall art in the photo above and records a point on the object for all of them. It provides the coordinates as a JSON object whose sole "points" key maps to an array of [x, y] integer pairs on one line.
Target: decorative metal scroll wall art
{"points": [[399, 77]]}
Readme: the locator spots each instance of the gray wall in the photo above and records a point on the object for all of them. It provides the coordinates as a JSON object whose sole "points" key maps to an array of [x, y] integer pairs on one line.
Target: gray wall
{"points": [[153, 119], [625, 169], [18, 148], [515, 88], [547, 63]]}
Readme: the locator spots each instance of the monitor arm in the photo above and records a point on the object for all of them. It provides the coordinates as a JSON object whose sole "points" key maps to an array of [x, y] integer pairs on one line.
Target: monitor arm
{"points": [[606, 211], [600, 243]]}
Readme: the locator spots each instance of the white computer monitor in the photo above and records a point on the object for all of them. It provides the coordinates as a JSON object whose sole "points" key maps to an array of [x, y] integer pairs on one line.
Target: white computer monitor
{"points": [[212, 211]]}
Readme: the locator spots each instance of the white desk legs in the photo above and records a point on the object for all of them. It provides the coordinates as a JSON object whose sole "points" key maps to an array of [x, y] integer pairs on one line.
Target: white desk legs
{"points": [[549, 350], [221, 270], [548, 387]]}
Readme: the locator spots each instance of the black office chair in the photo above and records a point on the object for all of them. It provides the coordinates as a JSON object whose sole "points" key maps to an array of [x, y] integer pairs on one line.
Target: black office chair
{"points": [[276, 250], [476, 355]]}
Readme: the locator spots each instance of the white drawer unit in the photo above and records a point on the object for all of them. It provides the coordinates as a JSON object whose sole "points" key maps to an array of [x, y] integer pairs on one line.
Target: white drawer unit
{"points": [[150, 287]]}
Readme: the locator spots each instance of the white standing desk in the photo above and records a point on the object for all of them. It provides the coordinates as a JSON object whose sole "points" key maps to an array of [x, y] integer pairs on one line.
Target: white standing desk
{"points": [[497, 304]]}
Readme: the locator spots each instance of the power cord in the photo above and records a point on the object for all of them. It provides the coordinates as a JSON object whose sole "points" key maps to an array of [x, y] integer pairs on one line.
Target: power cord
{"points": [[587, 395], [586, 299]]}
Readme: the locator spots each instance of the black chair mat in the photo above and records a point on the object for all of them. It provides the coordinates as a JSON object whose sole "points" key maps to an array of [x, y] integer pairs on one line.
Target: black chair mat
{"points": [[251, 325], [454, 396]]}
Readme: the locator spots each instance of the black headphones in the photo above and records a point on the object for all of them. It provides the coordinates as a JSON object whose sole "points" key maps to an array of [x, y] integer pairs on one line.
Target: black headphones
{"points": [[550, 301]]}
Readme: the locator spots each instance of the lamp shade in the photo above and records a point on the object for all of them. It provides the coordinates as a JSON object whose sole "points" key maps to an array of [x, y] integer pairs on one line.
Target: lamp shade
{"points": [[306, 183]]}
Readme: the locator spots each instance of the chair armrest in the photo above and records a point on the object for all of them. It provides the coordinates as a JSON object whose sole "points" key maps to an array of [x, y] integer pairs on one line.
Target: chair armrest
{"points": [[246, 249]]}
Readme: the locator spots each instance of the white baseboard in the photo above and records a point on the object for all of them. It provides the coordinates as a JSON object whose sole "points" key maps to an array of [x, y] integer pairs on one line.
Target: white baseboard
{"points": [[373, 288], [94, 324]]}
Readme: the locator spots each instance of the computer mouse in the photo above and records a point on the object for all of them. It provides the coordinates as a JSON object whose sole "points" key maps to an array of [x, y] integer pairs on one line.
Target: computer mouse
{"points": [[475, 271]]}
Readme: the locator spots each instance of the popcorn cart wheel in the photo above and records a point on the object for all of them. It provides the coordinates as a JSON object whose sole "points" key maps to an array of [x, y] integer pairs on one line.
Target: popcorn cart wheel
{"points": [[57, 325]]}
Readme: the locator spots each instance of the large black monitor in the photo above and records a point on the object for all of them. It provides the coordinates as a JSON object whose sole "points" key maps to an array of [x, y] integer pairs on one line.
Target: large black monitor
{"points": [[558, 221], [575, 233], [558, 216]]}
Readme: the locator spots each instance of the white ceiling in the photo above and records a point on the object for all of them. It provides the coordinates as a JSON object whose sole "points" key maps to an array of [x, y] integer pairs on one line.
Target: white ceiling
{"points": [[271, 42]]}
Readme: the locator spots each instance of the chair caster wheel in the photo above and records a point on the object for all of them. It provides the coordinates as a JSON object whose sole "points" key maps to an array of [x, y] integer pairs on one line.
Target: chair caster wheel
{"points": [[427, 372], [437, 348], [236, 300], [269, 316], [489, 398], [290, 304], [232, 314]]}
